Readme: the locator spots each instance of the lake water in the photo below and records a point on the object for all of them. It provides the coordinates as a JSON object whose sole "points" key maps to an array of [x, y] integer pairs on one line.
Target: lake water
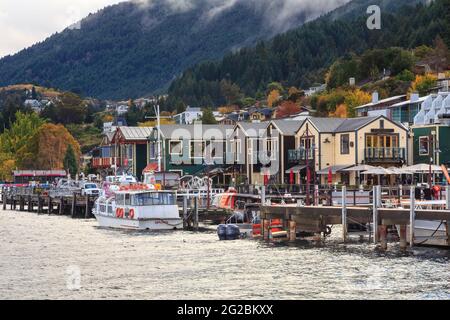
{"points": [[52, 257]]}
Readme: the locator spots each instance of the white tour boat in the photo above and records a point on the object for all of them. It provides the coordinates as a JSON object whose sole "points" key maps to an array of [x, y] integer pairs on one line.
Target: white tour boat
{"points": [[138, 207]]}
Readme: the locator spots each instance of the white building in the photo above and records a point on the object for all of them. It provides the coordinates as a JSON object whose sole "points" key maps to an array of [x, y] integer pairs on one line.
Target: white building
{"points": [[189, 116], [435, 109], [122, 109]]}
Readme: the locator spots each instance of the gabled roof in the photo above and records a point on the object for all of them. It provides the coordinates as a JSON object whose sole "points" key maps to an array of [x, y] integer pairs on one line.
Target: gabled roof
{"points": [[288, 127], [326, 124], [338, 125], [387, 100], [135, 133], [253, 129], [353, 124], [187, 131]]}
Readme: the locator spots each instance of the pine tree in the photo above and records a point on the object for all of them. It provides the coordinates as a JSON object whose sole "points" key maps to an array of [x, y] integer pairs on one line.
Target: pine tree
{"points": [[208, 117], [70, 161]]}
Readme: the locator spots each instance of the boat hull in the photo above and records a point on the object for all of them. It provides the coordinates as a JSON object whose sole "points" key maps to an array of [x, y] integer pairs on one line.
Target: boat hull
{"points": [[430, 233], [141, 225]]}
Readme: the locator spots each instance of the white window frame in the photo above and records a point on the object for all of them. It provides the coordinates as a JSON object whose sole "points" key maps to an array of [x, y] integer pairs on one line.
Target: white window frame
{"points": [[181, 149], [190, 149], [428, 146]]}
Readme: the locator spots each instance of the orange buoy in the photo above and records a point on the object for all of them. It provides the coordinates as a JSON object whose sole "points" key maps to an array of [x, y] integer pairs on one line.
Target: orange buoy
{"points": [[118, 212], [131, 214]]}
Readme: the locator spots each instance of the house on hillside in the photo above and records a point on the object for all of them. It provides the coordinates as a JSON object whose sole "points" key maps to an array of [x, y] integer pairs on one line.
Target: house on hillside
{"points": [[378, 107], [189, 116]]}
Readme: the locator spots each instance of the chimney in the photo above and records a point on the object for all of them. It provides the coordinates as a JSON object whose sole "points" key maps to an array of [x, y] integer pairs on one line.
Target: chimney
{"points": [[414, 97], [375, 97]]}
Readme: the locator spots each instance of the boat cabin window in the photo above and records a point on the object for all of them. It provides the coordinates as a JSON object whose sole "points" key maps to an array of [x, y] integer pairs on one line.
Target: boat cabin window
{"points": [[128, 199], [120, 199], [154, 199]]}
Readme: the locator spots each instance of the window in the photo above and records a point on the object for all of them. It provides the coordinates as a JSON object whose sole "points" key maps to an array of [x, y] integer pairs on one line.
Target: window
{"points": [[176, 148], [381, 124], [120, 199], [154, 199], [345, 144], [238, 150], [424, 146], [272, 148], [197, 149]]}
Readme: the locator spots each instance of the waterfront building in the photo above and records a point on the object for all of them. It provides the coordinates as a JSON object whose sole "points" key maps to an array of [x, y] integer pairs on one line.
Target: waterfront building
{"points": [[248, 142], [334, 144], [189, 149], [281, 136]]}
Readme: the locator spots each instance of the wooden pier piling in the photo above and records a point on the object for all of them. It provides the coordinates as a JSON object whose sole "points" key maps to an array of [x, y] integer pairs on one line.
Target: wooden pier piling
{"points": [[292, 231], [344, 214], [88, 208], [412, 217], [375, 218], [74, 205], [383, 237], [403, 241]]}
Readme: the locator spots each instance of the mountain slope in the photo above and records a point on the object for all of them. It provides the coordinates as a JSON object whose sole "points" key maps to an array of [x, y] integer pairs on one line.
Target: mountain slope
{"points": [[300, 57], [136, 48]]}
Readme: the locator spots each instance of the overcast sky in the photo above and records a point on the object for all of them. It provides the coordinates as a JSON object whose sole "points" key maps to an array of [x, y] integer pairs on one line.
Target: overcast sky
{"points": [[25, 22]]}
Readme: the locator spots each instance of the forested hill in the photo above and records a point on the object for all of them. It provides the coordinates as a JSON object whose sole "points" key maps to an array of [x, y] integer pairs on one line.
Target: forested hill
{"points": [[301, 57], [136, 48]]}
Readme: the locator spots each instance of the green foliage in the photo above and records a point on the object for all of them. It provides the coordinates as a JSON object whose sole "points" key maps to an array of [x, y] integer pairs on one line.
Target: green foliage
{"points": [[208, 117], [298, 58], [14, 139], [128, 51], [70, 161], [406, 75]]}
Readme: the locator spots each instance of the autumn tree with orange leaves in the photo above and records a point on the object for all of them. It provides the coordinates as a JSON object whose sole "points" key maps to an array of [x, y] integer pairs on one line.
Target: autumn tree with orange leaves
{"points": [[287, 108], [47, 148]]}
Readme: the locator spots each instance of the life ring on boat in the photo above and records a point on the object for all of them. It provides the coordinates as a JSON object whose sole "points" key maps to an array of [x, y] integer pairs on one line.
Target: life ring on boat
{"points": [[120, 212], [131, 214]]}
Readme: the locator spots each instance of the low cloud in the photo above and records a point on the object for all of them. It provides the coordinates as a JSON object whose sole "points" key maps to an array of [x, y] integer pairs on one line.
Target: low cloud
{"points": [[24, 22]]}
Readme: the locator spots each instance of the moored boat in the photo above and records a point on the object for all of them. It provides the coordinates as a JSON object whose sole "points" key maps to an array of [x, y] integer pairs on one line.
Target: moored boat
{"points": [[137, 207]]}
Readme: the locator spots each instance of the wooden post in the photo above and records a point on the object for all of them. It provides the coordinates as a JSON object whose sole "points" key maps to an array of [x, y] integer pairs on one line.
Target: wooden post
{"points": [[265, 224], [74, 204], [316, 195], [30, 204], [412, 217], [447, 197], [375, 215], [21, 204], [86, 214], [39, 209], [344, 214], [383, 237], [263, 196], [61, 205], [196, 224], [4, 198], [403, 242], [49, 204], [185, 212], [292, 231]]}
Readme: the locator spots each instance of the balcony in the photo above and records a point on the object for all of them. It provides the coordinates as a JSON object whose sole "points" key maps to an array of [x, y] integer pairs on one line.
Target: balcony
{"points": [[103, 163], [300, 155], [373, 155]]}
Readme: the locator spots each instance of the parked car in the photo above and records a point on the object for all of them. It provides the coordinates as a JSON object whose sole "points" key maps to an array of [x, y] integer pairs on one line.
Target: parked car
{"points": [[90, 189]]}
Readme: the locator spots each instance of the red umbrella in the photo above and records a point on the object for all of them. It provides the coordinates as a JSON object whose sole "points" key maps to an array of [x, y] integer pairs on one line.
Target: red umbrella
{"points": [[266, 179], [291, 177], [330, 176]]}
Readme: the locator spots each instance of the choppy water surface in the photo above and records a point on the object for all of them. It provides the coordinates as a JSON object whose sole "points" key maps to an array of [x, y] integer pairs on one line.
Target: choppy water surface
{"points": [[39, 253]]}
